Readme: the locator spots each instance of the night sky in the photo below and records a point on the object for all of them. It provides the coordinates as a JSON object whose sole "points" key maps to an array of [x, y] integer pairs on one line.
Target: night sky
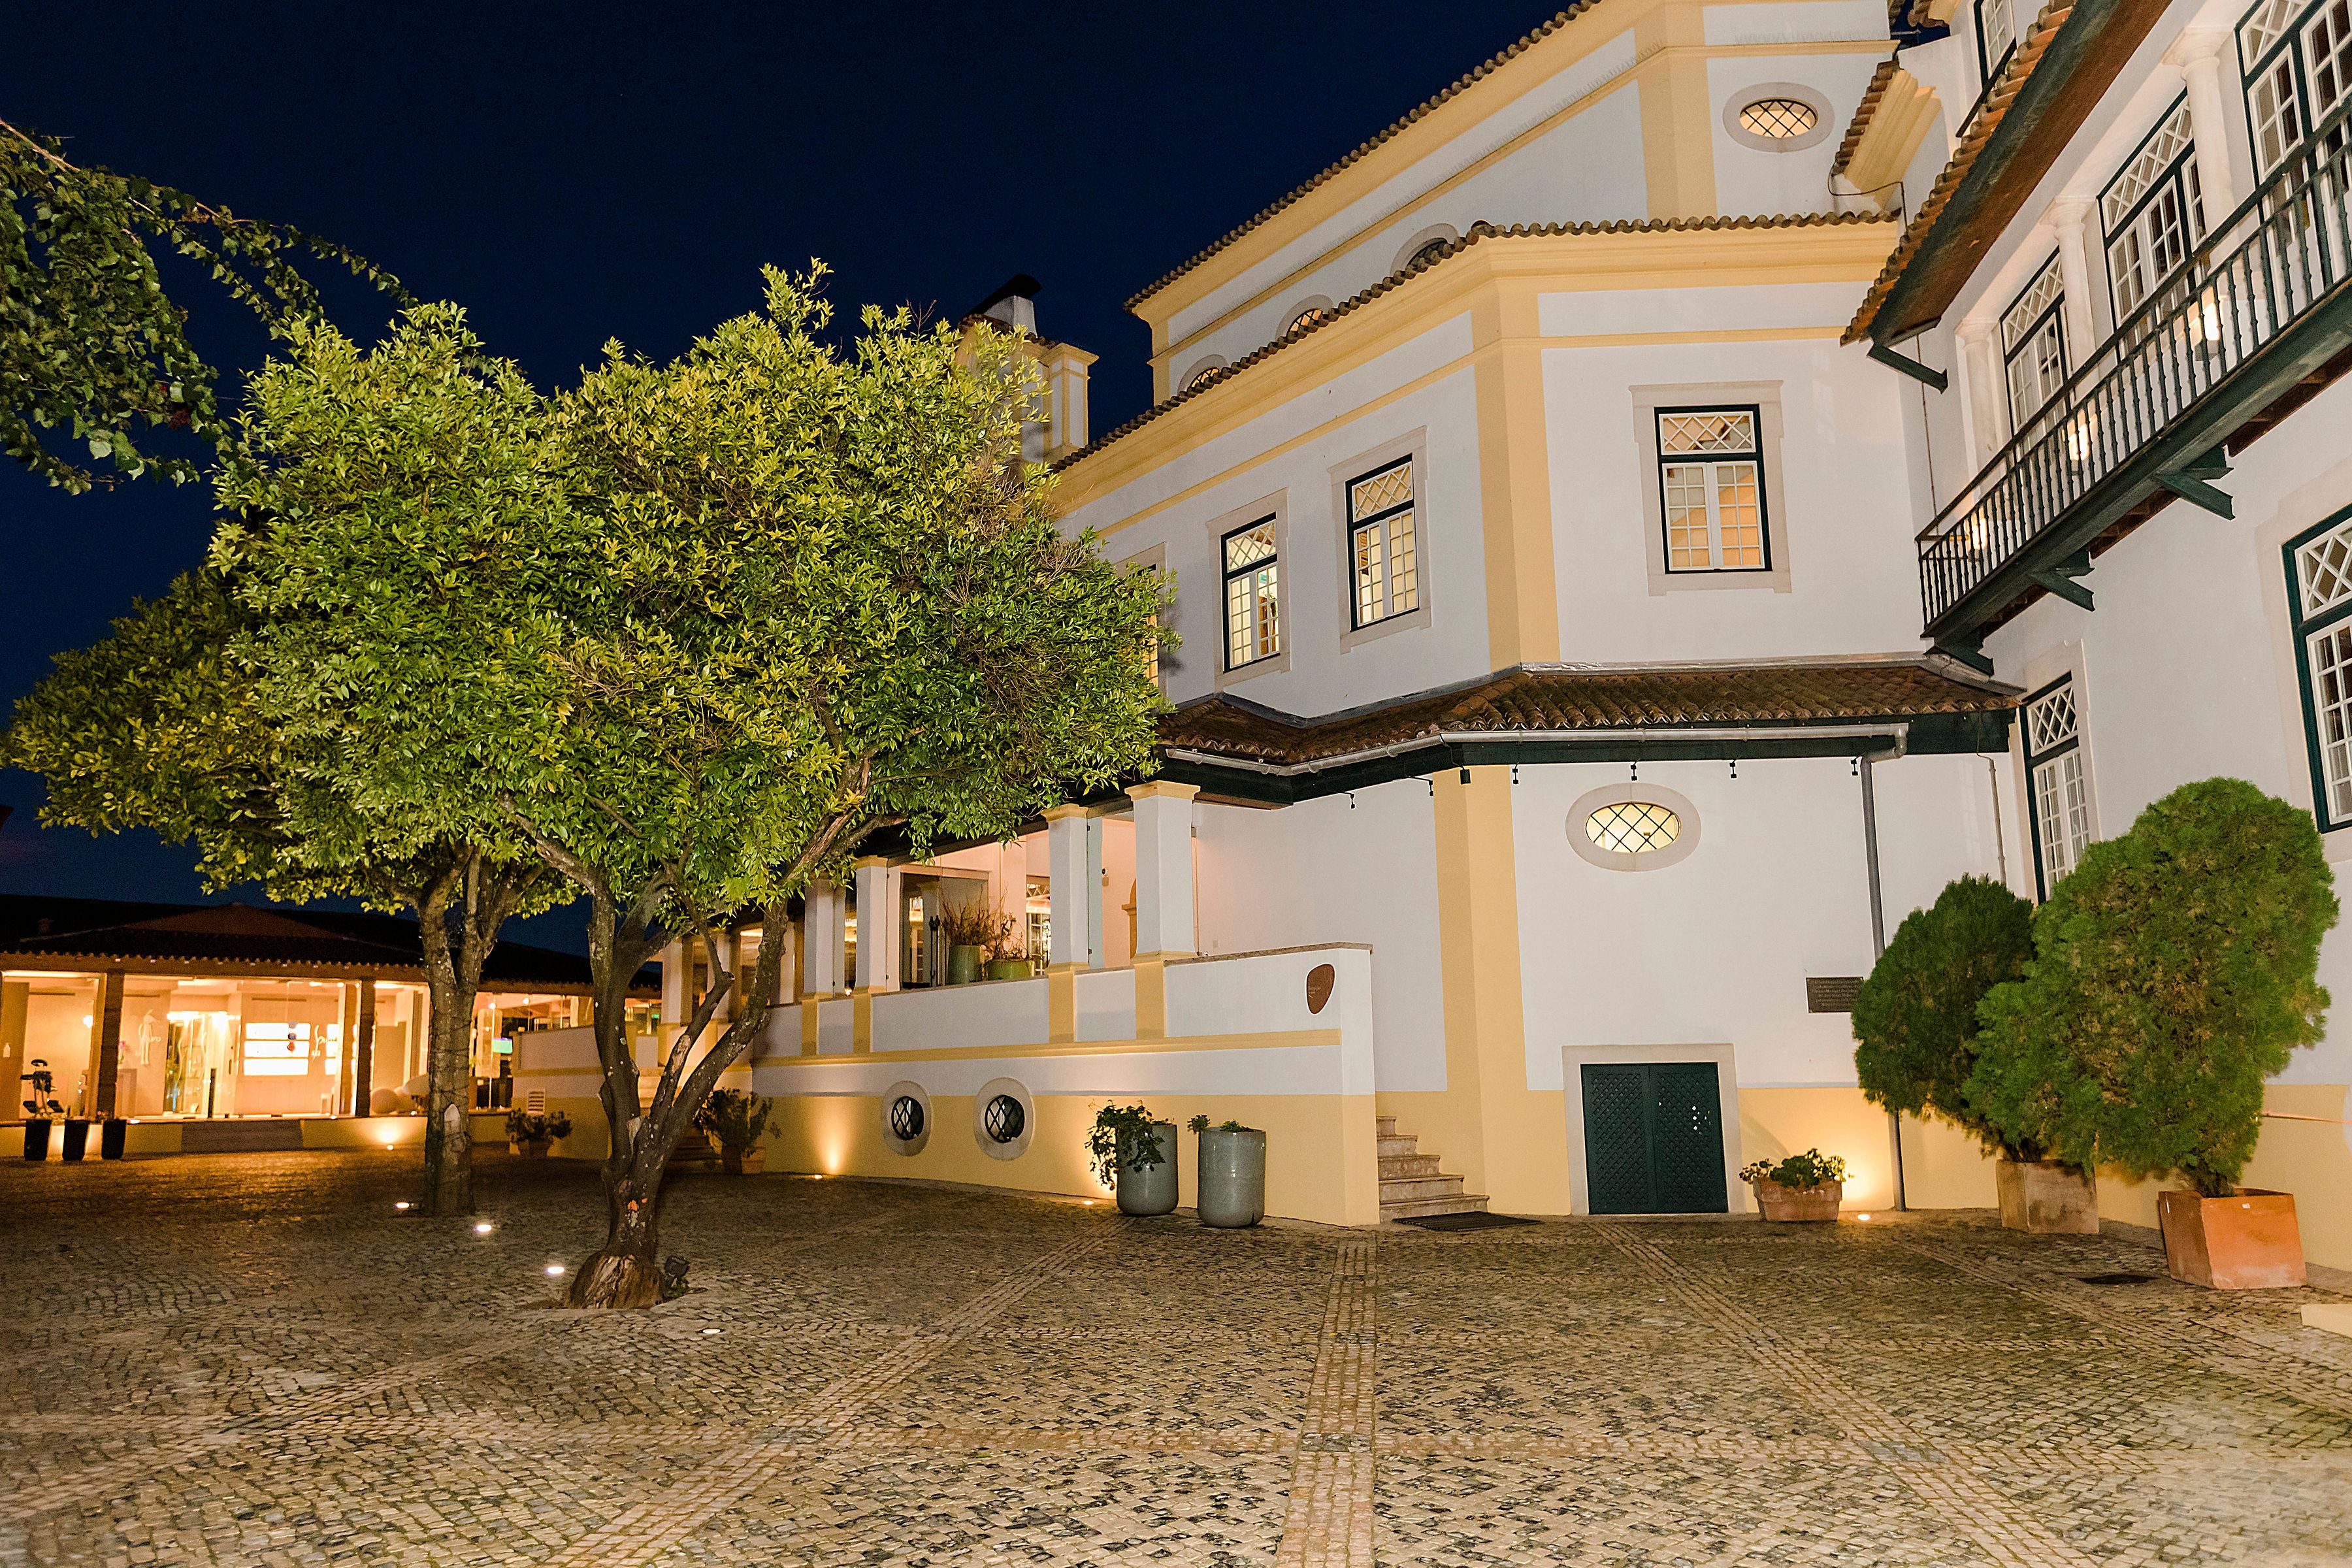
{"points": [[575, 173]]}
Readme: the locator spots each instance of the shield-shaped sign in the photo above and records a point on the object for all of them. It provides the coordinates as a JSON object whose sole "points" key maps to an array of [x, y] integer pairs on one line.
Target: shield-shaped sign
{"points": [[1320, 980]]}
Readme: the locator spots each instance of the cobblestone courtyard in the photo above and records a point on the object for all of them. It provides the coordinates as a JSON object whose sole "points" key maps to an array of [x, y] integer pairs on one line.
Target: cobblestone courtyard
{"points": [[250, 1360]]}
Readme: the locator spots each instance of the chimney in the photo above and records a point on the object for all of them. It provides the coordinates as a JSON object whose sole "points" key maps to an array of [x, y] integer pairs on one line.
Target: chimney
{"points": [[1060, 425]]}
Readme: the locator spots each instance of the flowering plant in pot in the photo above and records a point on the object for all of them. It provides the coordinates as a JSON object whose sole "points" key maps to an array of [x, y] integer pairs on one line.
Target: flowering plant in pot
{"points": [[534, 1132], [734, 1118], [2174, 971], [1233, 1174], [1807, 1187], [1136, 1156], [1917, 1038]]}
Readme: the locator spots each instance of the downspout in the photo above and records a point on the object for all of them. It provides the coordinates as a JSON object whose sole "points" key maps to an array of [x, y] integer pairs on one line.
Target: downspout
{"points": [[1878, 930]]}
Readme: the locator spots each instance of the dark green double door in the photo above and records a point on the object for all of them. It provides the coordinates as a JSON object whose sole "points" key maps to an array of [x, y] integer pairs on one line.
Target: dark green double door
{"points": [[1653, 1138]]}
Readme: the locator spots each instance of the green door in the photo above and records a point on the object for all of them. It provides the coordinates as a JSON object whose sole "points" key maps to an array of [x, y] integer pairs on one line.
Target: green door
{"points": [[1653, 1138]]}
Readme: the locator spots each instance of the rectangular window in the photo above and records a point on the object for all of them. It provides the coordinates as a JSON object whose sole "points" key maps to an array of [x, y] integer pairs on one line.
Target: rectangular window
{"points": [[1996, 35], [2153, 211], [2058, 795], [2319, 585], [1253, 595], [2297, 56], [1711, 489], [2033, 344], [276, 1050], [1381, 543]]}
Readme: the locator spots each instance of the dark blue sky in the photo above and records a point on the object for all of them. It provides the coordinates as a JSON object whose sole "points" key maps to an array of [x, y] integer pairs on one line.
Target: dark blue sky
{"points": [[573, 173]]}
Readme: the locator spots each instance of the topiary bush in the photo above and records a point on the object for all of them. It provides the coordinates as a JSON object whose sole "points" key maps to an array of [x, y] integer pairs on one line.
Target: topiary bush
{"points": [[2174, 972], [1915, 1020]]}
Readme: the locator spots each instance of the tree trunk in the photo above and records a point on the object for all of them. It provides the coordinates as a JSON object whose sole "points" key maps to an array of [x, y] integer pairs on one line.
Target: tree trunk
{"points": [[449, 1092], [626, 1270]]}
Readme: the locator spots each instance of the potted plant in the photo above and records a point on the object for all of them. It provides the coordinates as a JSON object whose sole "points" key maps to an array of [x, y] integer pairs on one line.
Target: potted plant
{"points": [[1008, 959], [2175, 972], [735, 1118], [1807, 1187], [113, 1137], [41, 1108], [971, 931], [532, 1133], [1136, 1156], [1233, 1174], [1916, 1043]]}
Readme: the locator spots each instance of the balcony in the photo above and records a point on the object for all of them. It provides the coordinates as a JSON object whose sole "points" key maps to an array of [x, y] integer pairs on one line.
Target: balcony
{"points": [[2236, 337]]}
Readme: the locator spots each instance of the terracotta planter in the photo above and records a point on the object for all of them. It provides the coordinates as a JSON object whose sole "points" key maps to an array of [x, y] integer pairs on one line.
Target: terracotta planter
{"points": [[2046, 1198], [1814, 1203], [2248, 1241]]}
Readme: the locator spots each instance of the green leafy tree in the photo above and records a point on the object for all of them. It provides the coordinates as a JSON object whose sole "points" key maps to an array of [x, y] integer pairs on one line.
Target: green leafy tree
{"points": [[806, 593], [90, 344], [161, 726], [1914, 1021], [2174, 971]]}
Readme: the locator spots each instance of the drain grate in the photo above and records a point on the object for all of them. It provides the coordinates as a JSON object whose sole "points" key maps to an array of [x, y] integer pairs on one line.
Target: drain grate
{"points": [[2119, 1279]]}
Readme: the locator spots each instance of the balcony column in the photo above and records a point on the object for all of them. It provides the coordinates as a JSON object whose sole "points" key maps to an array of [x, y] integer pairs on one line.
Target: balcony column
{"points": [[2198, 53], [823, 940], [1074, 859], [2070, 216], [878, 945], [1981, 366], [1163, 895]]}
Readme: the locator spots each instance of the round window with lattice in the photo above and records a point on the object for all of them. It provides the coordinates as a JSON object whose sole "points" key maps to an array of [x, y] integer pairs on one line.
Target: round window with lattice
{"points": [[1003, 1119], [1633, 827], [1776, 117], [907, 1118]]}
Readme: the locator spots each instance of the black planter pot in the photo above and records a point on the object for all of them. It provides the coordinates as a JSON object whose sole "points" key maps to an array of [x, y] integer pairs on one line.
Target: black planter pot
{"points": [[76, 1142], [36, 1138], [111, 1135]]}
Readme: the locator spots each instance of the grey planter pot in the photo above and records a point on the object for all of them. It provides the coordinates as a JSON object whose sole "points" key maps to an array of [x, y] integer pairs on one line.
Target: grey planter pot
{"points": [[1233, 1177], [1151, 1189]]}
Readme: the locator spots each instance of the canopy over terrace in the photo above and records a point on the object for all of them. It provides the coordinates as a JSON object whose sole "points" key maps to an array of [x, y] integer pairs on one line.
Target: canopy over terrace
{"points": [[184, 1010]]}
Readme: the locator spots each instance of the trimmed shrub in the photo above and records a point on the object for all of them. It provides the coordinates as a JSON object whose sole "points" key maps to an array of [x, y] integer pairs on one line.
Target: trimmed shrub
{"points": [[1914, 1021], [2174, 972]]}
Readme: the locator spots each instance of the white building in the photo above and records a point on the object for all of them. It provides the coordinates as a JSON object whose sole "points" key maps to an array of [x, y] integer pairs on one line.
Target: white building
{"points": [[1556, 737]]}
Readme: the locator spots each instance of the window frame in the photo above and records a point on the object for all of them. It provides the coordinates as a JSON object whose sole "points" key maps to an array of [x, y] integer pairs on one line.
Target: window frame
{"points": [[1276, 508], [2035, 761], [1155, 561], [2292, 45], [1985, 62], [2051, 317], [2180, 179], [1649, 401], [2301, 628], [1754, 454], [1411, 447]]}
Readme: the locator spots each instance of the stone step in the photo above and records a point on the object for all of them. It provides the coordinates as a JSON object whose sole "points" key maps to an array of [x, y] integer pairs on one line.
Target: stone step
{"points": [[1390, 1147], [1416, 1208], [1384, 1126], [1420, 1187], [1395, 1166]]}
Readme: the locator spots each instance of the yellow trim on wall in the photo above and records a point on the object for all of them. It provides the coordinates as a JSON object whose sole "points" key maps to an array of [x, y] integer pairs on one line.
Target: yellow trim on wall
{"points": [[1062, 1002], [1908, 110], [1273, 1040], [1514, 479], [1151, 998], [1677, 139]]}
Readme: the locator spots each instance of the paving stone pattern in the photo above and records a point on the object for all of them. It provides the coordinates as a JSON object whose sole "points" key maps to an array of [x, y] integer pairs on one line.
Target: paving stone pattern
{"points": [[250, 1358]]}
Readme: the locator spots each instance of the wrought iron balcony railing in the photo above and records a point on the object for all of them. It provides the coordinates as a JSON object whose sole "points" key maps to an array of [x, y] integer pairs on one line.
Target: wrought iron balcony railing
{"points": [[2211, 347]]}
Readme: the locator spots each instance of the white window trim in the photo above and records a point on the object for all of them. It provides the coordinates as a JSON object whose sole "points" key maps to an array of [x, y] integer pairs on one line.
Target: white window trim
{"points": [[1796, 91], [1156, 560], [2061, 663], [1444, 231], [1318, 302], [1285, 585], [2300, 511], [1686, 836], [1198, 369], [1766, 396], [1413, 444]]}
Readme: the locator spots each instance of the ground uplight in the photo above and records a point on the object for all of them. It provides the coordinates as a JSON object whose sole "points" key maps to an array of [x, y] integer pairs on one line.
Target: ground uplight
{"points": [[555, 1269], [483, 1229]]}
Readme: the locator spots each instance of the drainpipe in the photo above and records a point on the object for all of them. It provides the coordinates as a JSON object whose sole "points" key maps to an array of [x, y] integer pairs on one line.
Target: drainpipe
{"points": [[1878, 930]]}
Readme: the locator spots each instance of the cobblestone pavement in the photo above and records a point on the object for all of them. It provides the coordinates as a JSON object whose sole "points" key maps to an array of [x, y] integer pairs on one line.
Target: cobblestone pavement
{"points": [[249, 1359]]}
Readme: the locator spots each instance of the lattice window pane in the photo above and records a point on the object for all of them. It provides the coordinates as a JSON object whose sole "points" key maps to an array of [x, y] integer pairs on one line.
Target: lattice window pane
{"points": [[1249, 546], [1633, 828], [2021, 319], [2052, 721], [2331, 698], [2323, 570], [1727, 430], [2264, 25], [1378, 492], [1781, 118], [2170, 141]]}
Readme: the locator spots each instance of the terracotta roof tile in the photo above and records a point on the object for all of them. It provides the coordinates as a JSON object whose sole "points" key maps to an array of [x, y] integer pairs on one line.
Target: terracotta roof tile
{"points": [[1974, 137], [1478, 232], [1420, 111], [1864, 109], [1552, 698]]}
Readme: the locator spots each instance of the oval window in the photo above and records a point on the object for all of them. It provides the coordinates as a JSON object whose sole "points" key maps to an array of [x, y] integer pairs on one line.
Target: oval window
{"points": [[1779, 119], [1003, 1119], [907, 1118], [1633, 828]]}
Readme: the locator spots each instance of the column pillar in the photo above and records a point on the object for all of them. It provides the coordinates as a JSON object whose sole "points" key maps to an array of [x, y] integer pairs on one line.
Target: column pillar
{"points": [[1163, 895], [1074, 861], [878, 945], [347, 1050], [2070, 216], [821, 921], [2198, 54], [109, 1045], [1987, 398], [363, 1052]]}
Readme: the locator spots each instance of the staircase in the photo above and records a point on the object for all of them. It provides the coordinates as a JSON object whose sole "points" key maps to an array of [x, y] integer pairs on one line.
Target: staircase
{"points": [[1412, 1186]]}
